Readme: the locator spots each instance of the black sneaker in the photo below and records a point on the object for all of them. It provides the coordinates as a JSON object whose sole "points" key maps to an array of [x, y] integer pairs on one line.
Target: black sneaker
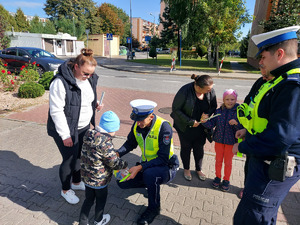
{"points": [[216, 182], [225, 185], [148, 216]]}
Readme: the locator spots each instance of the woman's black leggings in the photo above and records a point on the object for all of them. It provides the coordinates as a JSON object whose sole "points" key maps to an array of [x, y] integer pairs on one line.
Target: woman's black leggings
{"points": [[90, 195], [70, 166], [187, 144]]}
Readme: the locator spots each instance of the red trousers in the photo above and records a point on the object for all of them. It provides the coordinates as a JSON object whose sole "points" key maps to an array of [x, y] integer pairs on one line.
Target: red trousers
{"points": [[223, 152]]}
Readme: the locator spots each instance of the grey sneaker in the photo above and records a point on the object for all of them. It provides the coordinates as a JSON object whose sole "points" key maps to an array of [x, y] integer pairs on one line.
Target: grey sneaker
{"points": [[105, 220]]}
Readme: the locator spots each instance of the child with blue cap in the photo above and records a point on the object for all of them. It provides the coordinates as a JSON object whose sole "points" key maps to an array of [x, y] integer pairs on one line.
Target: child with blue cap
{"points": [[99, 159]]}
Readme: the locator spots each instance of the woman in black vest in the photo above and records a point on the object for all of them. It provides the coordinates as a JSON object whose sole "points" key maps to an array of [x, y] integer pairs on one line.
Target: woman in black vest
{"points": [[190, 102], [72, 103]]}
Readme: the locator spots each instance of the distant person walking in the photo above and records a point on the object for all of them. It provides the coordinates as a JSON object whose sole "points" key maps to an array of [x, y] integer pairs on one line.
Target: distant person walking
{"points": [[190, 102], [72, 103]]}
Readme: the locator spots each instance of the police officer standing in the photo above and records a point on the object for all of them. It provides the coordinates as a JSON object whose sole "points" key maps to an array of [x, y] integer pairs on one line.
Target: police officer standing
{"points": [[158, 163], [272, 121]]}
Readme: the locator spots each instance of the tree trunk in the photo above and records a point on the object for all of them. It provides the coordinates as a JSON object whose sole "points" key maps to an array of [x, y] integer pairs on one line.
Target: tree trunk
{"points": [[217, 56], [210, 60]]}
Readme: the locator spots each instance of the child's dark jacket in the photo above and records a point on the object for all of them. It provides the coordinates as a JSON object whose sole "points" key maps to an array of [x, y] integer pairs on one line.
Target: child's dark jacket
{"points": [[224, 133], [99, 159]]}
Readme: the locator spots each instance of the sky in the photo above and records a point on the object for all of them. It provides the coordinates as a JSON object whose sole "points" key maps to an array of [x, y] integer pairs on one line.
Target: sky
{"points": [[139, 8]]}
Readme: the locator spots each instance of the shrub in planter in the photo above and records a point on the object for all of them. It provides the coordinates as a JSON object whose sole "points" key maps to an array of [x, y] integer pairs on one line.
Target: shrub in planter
{"points": [[31, 90], [46, 78]]}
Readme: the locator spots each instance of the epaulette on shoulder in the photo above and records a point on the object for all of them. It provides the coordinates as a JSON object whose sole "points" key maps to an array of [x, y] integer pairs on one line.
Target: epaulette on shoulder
{"points": [[293, 77]]}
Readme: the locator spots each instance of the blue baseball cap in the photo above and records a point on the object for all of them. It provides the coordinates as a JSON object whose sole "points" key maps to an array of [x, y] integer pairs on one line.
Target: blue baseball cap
{"points": [[265, 40], [109, 122], [141, 108]]}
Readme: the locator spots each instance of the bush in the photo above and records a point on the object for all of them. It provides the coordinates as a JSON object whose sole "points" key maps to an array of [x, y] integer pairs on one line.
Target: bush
{"points": [[187, 54], [28, 74], [46, 78], [31, 90], [201, 50], [152, 52]]}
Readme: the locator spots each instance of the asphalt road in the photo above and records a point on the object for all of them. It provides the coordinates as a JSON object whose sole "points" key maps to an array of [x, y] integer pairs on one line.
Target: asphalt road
{"points": [[165, 83]]}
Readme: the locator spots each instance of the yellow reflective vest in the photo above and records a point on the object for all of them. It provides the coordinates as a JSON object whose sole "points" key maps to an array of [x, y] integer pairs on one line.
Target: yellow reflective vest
{"points": [[248, 114], [150, 145]]}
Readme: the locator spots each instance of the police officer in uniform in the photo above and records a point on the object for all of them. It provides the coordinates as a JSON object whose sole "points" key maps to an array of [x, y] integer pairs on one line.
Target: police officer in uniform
{"points": [[272, 122], [158, 163]]}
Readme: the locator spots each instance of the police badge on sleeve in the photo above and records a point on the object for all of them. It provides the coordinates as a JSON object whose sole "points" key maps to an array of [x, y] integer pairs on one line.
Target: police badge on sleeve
{"points": [[166, 139]]}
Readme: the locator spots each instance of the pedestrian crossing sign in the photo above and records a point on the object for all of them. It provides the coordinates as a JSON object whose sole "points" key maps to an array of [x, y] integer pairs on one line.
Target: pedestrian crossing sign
{"points": [[109, 37]]}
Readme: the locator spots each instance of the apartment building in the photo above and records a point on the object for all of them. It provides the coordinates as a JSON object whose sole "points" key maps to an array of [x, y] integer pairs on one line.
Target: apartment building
{"points": [[29, 18], [142, 28]]}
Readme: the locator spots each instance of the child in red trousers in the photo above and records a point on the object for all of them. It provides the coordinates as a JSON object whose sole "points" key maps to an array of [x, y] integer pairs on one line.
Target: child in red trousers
{"points": [[225, 124]]}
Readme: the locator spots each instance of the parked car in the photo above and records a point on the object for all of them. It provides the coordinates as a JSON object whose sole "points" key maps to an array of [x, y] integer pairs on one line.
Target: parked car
{"points": [[16, 57], [163, 51]]}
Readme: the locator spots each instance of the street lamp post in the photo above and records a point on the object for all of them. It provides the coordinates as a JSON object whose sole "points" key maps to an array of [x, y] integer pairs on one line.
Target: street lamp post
{"points": [[153, 34], [130, 31]]}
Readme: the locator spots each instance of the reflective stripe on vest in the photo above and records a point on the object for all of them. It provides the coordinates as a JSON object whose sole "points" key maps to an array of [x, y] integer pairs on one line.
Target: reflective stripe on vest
{"points": [[248, 114], [151, 141]]}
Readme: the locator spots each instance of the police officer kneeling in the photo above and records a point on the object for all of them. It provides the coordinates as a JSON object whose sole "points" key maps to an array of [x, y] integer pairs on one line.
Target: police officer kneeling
{"points": [[158, 163], [272, 121]]}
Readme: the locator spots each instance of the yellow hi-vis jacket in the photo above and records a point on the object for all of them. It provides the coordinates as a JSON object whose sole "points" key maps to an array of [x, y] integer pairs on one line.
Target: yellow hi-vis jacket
{"points": [[150, 145], [248, 114]]}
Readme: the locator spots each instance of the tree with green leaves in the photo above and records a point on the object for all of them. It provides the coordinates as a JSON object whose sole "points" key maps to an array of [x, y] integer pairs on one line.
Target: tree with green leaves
{"points": [[36, 26], [49, 28], [9, 19], [78, 14], [21, 21], [135, 43], [214, 20], [244, 46], [284, 13], [125, 20], [167, 35], [4, 39]]}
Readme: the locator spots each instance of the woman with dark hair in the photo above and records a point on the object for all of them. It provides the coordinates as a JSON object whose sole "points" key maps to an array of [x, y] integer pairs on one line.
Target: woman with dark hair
{"points": [[190, 102], [72, 104]]}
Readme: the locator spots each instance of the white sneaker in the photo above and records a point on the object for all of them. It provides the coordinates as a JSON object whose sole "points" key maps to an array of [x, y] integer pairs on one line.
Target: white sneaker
{"points": [[105, 220], [70, 197], [80, 186]]}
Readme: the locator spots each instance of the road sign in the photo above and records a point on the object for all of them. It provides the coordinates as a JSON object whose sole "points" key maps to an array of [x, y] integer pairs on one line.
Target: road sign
{"points": [[147, 38], [109, 37], [128, 40]]}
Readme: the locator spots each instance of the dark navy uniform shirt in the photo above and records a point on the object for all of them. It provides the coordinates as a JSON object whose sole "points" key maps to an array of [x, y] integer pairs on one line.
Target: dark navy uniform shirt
{"points": [[281, 107], [164, 145]]}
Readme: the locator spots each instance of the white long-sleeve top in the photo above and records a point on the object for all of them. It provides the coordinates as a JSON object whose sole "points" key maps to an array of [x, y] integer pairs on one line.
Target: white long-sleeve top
{"points": [[57, 103]]}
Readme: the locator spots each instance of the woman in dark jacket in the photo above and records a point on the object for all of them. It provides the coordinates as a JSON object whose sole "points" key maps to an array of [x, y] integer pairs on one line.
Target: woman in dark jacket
{"points": [[190, 102], [72, 104]]}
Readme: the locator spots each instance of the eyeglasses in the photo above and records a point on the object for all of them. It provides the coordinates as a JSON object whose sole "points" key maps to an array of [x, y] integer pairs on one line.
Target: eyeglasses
{"points": [[87, 74]]}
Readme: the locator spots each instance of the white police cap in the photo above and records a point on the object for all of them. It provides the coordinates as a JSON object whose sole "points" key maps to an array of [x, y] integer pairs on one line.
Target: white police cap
{"points": [[265, 40], [141, 108]]}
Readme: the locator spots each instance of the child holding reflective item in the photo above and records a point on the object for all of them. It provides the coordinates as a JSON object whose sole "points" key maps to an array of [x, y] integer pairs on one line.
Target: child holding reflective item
{"points": [[99, 159], [224, 136]]}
